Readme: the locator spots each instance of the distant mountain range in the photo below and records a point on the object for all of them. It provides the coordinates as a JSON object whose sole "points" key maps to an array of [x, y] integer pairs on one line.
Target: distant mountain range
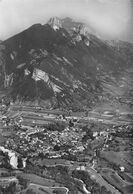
{"points": [[62, 64]]}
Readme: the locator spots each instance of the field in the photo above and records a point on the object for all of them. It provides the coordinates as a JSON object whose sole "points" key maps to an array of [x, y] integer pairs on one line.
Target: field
{"points": [[51, 162], [39, 189], [38, 180], [119, 159]]}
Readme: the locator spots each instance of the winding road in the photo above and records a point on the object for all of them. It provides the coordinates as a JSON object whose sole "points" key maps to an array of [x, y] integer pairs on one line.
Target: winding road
{"points": [[99, 179]]}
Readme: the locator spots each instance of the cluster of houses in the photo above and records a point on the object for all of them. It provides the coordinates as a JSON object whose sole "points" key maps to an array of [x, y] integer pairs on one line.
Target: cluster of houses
{"points": [[39, 140]]}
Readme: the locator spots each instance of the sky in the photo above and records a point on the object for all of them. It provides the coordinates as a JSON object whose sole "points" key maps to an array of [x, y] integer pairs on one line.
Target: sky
{"points": [[111, 19]]}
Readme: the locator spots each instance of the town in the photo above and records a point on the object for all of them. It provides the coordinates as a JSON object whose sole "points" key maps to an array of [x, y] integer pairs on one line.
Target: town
{"points": [[35, 140]]}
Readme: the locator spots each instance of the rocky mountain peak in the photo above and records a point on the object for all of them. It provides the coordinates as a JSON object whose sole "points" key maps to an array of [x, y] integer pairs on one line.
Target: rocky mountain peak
{"points": [[55, 23], [84, 30], [72, 66]]}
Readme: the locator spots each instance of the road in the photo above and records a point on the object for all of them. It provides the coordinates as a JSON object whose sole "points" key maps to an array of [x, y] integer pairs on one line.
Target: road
{"points": [[48, 188], [125, 183], [8, 179], [84, 186], [93, 116], [94, 175], [99, 179]]}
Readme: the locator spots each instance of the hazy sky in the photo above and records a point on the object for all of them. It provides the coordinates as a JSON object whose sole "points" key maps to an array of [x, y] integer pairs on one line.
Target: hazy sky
{"points": [[110, 18]]}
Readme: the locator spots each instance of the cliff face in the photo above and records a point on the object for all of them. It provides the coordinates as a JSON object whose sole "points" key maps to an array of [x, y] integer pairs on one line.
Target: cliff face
{"points": [[60, 62], [55, 23]]}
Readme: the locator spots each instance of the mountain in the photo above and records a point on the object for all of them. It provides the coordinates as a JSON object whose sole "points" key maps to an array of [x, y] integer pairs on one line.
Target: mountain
{"points": [[55, 23], [70, 26], [61, 64], [125, 48]]}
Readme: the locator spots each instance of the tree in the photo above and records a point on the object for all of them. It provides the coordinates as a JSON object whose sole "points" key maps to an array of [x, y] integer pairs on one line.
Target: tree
{"points": [[56, 148], [22, 182], [20, 163], [57, 191], [30, 191], [103, 190]]}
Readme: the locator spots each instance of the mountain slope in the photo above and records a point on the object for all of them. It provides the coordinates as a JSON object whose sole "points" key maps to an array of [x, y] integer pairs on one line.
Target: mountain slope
{"points": [[60, 63]]}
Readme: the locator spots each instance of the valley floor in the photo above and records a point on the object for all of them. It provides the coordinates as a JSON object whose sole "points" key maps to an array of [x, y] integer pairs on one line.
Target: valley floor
{"points": [[65, 152]]}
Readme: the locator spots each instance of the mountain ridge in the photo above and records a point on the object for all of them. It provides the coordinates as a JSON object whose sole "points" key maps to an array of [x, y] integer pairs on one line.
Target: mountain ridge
{"points": [[64, 66]]}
